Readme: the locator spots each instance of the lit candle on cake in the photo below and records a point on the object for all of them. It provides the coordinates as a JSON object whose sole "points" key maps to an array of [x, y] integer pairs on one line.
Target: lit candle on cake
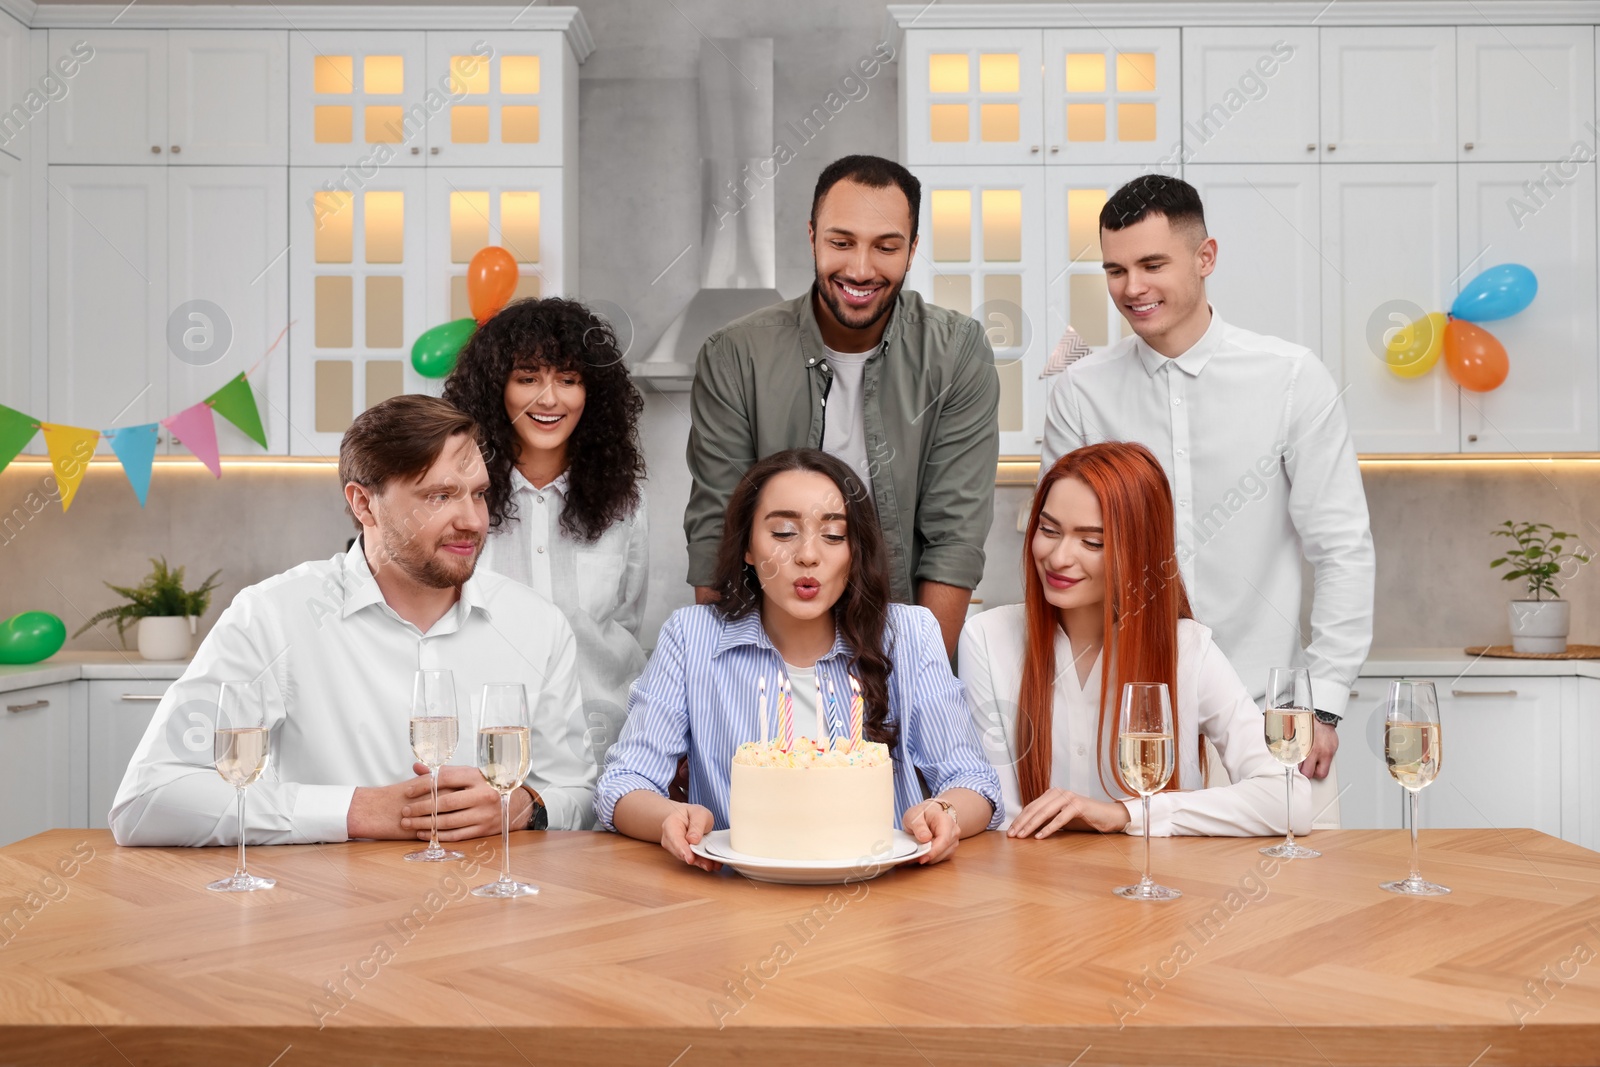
{"points": [[857, 712], [785, 716], [761, 704]]}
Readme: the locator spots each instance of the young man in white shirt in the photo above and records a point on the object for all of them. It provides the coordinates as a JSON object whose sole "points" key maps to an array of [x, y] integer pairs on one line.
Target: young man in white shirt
{"points": [[1253, 437], [336, 645]]}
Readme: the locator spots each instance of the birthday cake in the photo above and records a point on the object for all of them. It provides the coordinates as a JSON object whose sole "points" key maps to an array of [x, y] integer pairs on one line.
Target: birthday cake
{"points": [[810, 801]]}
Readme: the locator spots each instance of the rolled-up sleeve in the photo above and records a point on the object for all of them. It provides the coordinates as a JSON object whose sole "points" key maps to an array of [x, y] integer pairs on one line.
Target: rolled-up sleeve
{"points": [[721, 448], [936, 727], [956, 506], [656, 735]]}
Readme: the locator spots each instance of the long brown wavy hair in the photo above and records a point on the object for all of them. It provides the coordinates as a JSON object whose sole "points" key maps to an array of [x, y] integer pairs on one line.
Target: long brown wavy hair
{"points": [[1145, 598], [861, 613]]}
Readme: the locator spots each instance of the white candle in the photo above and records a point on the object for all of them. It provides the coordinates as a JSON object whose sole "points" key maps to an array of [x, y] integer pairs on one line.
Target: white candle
{"points": [[763, 705]]}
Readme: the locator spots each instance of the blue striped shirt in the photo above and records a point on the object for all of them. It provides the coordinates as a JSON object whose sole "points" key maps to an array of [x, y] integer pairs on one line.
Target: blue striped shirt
{"points": [[698, 695]]}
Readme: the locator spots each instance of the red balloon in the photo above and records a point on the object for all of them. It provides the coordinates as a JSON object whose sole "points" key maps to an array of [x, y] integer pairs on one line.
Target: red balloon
{"points": [[491, 279], [1474, 358]]}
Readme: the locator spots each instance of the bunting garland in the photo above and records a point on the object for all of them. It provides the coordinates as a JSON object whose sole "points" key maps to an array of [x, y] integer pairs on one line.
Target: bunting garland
{"points": [[71, 447]]}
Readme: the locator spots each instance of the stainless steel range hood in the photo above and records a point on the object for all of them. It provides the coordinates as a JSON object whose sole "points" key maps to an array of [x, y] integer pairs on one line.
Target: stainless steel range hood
{"points": [[738, 265]]}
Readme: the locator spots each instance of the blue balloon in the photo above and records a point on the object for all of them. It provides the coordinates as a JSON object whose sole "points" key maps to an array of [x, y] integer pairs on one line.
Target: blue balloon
{"points": [[1497, 293]]}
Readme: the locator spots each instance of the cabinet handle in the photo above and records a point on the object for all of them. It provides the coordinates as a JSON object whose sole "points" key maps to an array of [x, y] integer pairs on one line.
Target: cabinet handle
{"points": [[1354, 693], [148, 697], [1331, 146], [1311, 147], [1034, 149], [433, 151], [1468, 146], [1483, 692], [176, 149], [28, 707], [155, 150], [1472, 438], [1054, 149], [416, 151]]}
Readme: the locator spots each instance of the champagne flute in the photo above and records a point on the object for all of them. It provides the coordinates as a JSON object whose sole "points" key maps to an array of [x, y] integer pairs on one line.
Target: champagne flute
{"points": [[1145, 757], [1288, 723], [504, 752], [239, 752], [435, 731], [1411, 748]]}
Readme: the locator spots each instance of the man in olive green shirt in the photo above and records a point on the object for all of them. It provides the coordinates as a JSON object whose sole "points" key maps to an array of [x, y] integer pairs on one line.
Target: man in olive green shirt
{"points": [[904, 392]]}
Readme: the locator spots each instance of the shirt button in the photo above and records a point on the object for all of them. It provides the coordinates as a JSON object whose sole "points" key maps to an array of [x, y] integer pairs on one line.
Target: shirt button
{"points": [[1180, 452], [541, 499], [1181, 504], [1177, 400], [1080, 750], [540, 549]]}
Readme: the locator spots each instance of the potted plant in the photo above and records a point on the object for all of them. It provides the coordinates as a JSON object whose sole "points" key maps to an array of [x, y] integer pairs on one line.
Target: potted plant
{"points": [[165, 610], [1541, 622]]}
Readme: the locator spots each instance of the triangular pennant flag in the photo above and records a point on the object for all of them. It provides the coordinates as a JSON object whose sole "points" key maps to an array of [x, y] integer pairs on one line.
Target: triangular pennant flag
{"points": [[1067, 351], [236, 403], [136, 447], [16, 430], [198, 432], [71, 449]]}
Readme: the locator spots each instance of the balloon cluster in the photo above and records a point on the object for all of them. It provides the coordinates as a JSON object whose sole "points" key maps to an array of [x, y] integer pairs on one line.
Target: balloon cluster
{"points": [[1473, 356], [491, 279]]}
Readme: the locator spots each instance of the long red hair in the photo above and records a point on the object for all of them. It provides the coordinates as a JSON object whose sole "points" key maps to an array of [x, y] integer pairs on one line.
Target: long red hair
{"points": [[1145, 598]]}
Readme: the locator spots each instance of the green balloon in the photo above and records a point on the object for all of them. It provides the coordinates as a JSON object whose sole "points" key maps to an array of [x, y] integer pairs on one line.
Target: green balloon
{"points": [[30, 636], [434, 353]]}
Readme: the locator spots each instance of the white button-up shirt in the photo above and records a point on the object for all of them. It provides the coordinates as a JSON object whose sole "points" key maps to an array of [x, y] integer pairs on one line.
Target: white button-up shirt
{"points": [[1210, 702], [338, 664], [1253, 437], [598, 586]]}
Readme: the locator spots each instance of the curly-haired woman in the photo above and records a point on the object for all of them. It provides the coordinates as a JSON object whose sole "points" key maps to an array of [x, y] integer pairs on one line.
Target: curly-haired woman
{"points": [[559, 415]]}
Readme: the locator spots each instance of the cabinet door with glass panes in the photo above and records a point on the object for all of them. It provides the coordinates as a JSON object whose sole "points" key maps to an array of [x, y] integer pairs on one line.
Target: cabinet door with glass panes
{"points": [[506, 95], [1112, 96], [1250, 94], [361, 101], [1525, 92], [971, 96], [981, 252], [1388, 94], [516, 208], [1266, 219], [357, 284]]}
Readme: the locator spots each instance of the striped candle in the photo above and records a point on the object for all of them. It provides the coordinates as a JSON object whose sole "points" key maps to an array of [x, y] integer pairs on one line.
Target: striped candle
{"points": [[857, 712], [785, 715]]}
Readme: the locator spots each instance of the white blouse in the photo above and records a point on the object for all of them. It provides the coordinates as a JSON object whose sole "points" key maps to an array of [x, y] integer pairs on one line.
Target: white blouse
{"points": [[598, 586], [1211, 700]]}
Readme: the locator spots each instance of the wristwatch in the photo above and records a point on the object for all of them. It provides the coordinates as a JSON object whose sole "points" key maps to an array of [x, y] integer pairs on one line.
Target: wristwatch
{"points": [[1327, 718], [540, 819]]}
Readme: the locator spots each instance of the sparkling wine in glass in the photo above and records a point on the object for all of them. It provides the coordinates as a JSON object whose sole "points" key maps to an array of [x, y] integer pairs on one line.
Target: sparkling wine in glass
{"points": [[1145, 757], [1289, 722], [435, 731], [504, 752], [240, 747], [1411, 749]]}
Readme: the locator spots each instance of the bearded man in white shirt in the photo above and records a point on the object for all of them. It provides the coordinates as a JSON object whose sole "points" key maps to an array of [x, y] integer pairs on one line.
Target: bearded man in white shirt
{"points": [[1253, 437], [336, 645]]}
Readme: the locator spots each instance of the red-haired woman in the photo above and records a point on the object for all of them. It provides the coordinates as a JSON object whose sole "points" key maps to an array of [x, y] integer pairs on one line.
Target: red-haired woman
{"points": [[1102, 589]]}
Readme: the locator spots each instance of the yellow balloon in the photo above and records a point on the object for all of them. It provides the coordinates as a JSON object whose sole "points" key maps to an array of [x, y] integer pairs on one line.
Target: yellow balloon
{"points": [[1415, 348]]}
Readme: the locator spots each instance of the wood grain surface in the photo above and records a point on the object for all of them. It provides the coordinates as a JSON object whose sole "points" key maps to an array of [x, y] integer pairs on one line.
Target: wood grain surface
{"points": [[1013, 953]]}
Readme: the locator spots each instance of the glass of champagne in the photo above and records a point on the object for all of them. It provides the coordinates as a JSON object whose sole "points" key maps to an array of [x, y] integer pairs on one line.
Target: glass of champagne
{"points": [[435, 731], [1289, 722], [1411, 749], [239, 752], [1145, 756], [504, 753]]}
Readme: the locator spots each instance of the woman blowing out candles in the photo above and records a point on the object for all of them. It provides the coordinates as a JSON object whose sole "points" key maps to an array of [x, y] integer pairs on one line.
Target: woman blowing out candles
{"points": [[1100, 573], [803, 596]]}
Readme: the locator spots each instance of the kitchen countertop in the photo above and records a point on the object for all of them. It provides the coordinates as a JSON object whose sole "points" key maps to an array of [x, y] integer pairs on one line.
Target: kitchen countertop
{"points": [[95, 666]]}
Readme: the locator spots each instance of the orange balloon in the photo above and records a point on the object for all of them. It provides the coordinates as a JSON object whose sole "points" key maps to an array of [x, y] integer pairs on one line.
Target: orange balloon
{"points": [[1474, 357], [491, 279]]}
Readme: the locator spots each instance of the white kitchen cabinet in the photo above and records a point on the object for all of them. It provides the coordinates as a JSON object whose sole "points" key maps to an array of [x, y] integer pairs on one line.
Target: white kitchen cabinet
{"points": [[1525, 92], [1580, 754], [36, 735], [1389, 94], [1267, 221], [16, 220], [1250, 94], [119, 712], [358, 277], [513, 99], [971, 96], [22, 111], [981, 252], [362, 100], [1112, 96], [1389, 255], [521, 209], [1369, 798], [115, 110], [228, 232], [107, 306], [1549, 400], [227, 94]]}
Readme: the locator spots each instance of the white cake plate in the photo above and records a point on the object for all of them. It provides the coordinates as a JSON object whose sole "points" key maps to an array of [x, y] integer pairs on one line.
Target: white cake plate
{"points": [[902, 849]]}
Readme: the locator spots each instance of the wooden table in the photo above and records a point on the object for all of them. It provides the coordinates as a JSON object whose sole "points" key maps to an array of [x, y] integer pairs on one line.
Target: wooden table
{"points": [[1014, 953]]}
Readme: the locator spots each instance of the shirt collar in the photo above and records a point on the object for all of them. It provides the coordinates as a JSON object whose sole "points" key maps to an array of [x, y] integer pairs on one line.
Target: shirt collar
{"points": [[520, 484], [1191, 362], [742, 632], [361, 588], [812, 331]]}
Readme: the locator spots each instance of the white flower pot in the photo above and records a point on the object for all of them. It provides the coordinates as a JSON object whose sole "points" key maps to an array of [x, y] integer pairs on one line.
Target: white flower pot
{"points": [[166, 636], [1540, 625]]}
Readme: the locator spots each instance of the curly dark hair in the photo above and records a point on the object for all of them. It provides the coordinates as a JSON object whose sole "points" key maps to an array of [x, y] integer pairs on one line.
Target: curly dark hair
{"points": [[861, 612], [606, 460]]}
